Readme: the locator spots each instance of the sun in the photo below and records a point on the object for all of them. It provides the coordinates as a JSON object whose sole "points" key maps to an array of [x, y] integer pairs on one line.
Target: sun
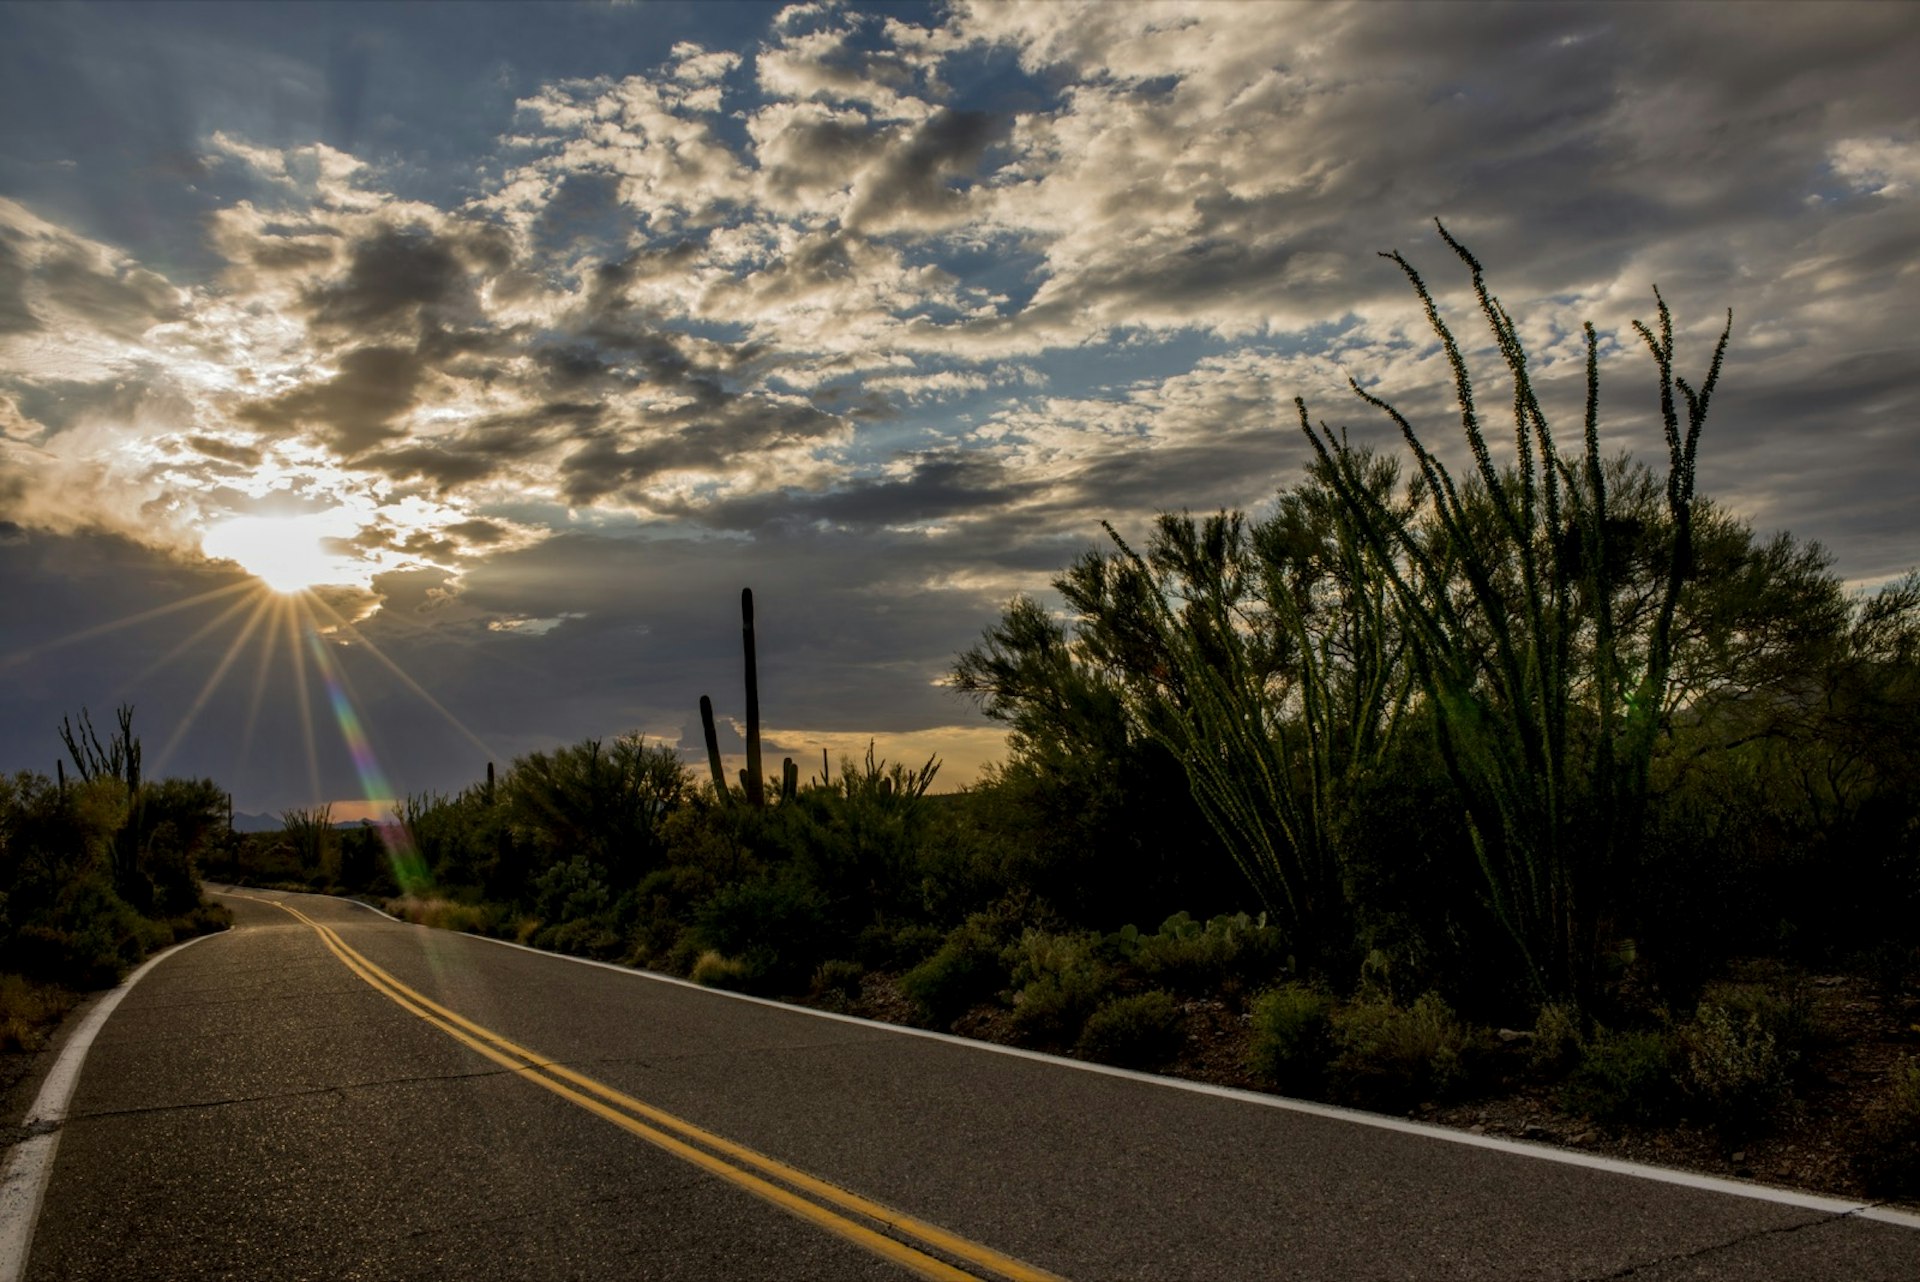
{"points": [[287, 553]]}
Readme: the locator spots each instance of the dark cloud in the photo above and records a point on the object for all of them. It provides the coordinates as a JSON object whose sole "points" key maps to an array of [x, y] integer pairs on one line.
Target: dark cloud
{"points": [[226, 451], [393, 277], [911, 186], [936, 487], [354, 410], [716, 433], [124, 301]]}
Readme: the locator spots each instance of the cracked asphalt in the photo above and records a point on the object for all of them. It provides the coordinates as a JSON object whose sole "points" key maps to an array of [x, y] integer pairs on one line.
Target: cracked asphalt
{"points": [[255, 1110]]}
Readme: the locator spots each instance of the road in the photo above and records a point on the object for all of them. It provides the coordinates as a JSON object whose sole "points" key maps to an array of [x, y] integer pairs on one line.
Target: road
{"points": [[323, 1093]]}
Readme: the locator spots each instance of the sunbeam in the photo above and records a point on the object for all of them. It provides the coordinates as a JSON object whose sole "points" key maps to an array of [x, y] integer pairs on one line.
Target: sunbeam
{"points": [[408, 868], [184, 644], [128, 621], [263, 609], [356, 635], [298, 656]]}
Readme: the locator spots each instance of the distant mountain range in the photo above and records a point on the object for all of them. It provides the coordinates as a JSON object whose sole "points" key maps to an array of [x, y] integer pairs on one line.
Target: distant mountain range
{"points": [[243, 822]]}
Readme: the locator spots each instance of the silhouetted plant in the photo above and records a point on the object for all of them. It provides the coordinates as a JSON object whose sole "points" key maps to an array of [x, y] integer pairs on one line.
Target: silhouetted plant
{"points": [[1547, 712]]}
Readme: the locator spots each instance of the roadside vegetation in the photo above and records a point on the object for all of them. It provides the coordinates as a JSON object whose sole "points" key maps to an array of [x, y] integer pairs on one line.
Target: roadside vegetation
{"points": [[96, 872], [1497, 779]]}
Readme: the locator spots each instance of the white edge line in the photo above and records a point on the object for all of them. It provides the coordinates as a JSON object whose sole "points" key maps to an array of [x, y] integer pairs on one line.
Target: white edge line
{"points": [[1519, 1148], [24, 1183]]}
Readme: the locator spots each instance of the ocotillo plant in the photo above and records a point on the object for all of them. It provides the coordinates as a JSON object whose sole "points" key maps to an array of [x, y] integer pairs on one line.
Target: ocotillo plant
{"points": [[1547, 715]]}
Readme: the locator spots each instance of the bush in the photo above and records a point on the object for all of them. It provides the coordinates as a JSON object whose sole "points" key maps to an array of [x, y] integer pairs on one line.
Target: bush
{"points": [[1888, 1159], [715, 970], [1225, 953], [587, 938], [1059, 981], [837, 982], [776, 925], [1142, 1031], [966, 969], [1558, 1041], [1292, 1038], [28, 1011], [445, 914], [1737, 1075], [1393, 1057], [1628, 1077]]}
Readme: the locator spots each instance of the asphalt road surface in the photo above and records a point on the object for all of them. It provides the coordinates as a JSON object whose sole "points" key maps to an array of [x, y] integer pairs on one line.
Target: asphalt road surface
{"points": [[327, 1094]]}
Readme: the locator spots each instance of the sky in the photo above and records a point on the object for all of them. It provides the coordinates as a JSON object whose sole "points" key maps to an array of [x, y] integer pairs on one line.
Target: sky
{"points": [[526, 335]]}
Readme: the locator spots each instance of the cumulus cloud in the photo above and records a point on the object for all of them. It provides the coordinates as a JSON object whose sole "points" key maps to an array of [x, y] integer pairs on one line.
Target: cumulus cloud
{"points": [[934, 300]]}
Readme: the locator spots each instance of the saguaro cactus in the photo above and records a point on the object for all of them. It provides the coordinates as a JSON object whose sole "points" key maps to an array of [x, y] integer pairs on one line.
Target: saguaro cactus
{"points": [[713, 752], [756, 786]]}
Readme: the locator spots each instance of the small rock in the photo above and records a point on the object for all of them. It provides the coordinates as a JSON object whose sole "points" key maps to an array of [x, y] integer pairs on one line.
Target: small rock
{"points": [[1511, 1035], [1739, 1157], [1478, 1128], [1585, 1137]]}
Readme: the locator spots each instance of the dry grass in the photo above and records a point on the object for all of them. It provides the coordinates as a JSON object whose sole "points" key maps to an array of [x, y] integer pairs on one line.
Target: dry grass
{"points": [[30, 1011]]}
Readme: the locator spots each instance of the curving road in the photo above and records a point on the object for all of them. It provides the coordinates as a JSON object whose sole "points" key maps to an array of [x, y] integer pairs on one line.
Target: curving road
{"points": [[324, 1093]]}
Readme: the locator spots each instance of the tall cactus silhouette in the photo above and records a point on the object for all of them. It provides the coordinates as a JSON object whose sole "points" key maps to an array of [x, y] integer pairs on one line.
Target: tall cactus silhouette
{"points": [[756, 784], [713, 752]]}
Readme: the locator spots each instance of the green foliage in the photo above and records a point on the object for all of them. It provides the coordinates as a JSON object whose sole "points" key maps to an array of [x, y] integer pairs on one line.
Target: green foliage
{"points": [[607, 803], [1228, 953], [1547, 691], [1058, 981], [1888, 1157], [965, 970], [716, 970], [1559, 1040], [1392, 1057], [1737, 1074], [776, 926], [1292, 1038], [836, 982], [29, 1011], [97, 872], [1633, 1076], [1142, 1031]]}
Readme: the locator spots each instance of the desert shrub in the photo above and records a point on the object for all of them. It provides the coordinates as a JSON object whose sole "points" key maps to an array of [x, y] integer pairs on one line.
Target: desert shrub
{"points": [[1393, 1057], [966, 969], [28, 1011], [569, 890], [776, 925], [1558, 1040], [1737, 1074], [446, 914], [586, 937], [1787, 1015], [716, 970], [1227, 952], [888, 945], [1059, 980], [1292, 1038], [837, 981], [1888, 1159], [1626, 1077], [1142, 1031]]}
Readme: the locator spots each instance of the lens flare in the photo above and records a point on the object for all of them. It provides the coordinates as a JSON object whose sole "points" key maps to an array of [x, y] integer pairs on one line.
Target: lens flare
{"points": [[409, 869]]}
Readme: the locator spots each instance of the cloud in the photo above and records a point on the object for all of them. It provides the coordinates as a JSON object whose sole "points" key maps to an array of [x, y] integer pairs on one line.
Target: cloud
{"points": [[887, 317]]}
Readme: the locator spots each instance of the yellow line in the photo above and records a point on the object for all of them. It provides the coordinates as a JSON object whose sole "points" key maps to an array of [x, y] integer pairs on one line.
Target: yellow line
{"points": [[540, 1069]]}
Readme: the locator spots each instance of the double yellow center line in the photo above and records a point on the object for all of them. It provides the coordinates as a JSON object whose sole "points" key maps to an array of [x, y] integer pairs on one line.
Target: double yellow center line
{"points": [[886, 1232]]}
